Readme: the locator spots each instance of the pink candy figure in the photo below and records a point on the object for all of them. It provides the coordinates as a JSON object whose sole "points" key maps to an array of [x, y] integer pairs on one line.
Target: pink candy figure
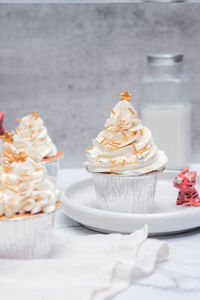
{"points": [[185, 182], [2, 114]]}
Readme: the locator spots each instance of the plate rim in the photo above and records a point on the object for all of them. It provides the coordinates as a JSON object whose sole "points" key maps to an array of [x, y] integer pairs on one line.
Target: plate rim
{"points": [[150, 217]]}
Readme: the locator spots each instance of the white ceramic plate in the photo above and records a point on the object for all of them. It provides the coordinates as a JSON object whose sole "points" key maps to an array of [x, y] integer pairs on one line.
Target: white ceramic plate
{"points": [[80, 204]]}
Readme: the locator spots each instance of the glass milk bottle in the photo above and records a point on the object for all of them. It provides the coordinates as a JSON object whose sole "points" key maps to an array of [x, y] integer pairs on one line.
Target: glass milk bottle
{"points": [[165, 107]]}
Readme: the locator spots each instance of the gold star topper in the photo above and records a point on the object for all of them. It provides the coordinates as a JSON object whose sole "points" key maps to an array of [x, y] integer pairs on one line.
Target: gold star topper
{"points": [[7, 137], [125, 96], [35, 115]]}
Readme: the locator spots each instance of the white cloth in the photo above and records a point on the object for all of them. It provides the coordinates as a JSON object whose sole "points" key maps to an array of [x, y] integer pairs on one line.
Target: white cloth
{"points": [[91, 267]]}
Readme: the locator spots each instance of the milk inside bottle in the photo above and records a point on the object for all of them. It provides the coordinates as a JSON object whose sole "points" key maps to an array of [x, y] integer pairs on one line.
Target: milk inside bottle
{"points": [[165, 107]]}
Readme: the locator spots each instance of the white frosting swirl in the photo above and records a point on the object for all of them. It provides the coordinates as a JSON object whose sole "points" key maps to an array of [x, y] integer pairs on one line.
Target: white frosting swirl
{"points": [[25, 185], [124, 146], [25, 145], [32, 130]]}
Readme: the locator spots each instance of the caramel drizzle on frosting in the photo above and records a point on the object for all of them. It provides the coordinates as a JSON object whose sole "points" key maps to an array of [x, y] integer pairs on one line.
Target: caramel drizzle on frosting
{"points": [[123, 162], [11, 188], [113, 162], [131, 110], [145, 149], [134, 148], [113, 145], [38, 198], [116, 143], [118, 166], [25, 175], [124, 134], [112, 110], [17, 131], [103, 140], [18, 157], [133, 133], [118, 128], [7, 169]]}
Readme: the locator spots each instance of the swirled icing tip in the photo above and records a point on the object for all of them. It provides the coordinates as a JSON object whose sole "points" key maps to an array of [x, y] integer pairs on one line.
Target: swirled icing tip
{"points": [[125, 96], [7, 137], [2, 114], [32, 136], [34, 115]]}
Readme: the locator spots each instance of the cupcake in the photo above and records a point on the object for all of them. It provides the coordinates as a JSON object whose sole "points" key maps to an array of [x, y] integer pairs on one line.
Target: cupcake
{"points": [[125, 162], [31, 135], [28, 201]]}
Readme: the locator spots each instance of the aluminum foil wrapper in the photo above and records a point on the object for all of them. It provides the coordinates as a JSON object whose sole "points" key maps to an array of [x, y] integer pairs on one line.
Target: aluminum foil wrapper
{"points": [[124, 193], [27, 237], [52, 167]]}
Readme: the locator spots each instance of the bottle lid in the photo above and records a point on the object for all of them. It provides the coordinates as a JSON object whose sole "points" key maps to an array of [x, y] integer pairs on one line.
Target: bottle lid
{"points": [[164, 59], [166, 1]]}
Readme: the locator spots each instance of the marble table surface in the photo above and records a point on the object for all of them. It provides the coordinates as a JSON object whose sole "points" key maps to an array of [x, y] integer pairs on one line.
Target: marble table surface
{"points": [[177, 278]]}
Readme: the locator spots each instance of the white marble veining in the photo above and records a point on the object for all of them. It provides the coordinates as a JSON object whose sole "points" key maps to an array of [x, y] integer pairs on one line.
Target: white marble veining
{"points": [[177, 278]]}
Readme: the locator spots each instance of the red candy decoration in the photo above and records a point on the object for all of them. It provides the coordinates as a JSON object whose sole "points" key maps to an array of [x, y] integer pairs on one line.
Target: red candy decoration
{"points": [[2, 114], [185, 183]]}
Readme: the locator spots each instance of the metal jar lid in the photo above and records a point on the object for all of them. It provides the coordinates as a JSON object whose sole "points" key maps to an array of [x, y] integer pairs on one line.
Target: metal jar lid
{"points": [[164, 59], [165, 1]]}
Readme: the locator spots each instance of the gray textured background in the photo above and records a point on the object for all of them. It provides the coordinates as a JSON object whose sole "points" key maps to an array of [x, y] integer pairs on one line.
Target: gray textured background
{"points": [[70, 62]]}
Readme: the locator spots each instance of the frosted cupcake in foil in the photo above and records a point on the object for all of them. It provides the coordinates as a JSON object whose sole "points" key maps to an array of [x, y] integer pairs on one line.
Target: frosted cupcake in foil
{"points": [[31, 135], [125, 162], [28, 201]]}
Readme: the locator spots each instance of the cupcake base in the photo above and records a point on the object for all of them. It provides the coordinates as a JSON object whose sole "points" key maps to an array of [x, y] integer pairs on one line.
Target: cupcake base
{"points": [[26, 236], [126, 194], [52, 163]]}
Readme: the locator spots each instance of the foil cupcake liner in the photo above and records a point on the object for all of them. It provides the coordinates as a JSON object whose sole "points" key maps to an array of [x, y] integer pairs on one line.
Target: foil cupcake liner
{"points": [[27, 237], [52, 167], [126, 194]]}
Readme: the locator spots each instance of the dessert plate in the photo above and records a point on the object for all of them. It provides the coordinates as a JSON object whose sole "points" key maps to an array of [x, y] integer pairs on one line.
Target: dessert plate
{"points": [[80, 204]]}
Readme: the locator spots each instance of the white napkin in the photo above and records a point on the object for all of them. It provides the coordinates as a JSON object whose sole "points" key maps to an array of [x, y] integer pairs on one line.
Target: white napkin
{"points": [[90, 267]]}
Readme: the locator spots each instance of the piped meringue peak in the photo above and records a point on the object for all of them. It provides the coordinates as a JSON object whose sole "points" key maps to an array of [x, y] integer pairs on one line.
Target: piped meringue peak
{"points": [[21, 144], [31, 129], [125, 146], [31, 136], [25, 185]]}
